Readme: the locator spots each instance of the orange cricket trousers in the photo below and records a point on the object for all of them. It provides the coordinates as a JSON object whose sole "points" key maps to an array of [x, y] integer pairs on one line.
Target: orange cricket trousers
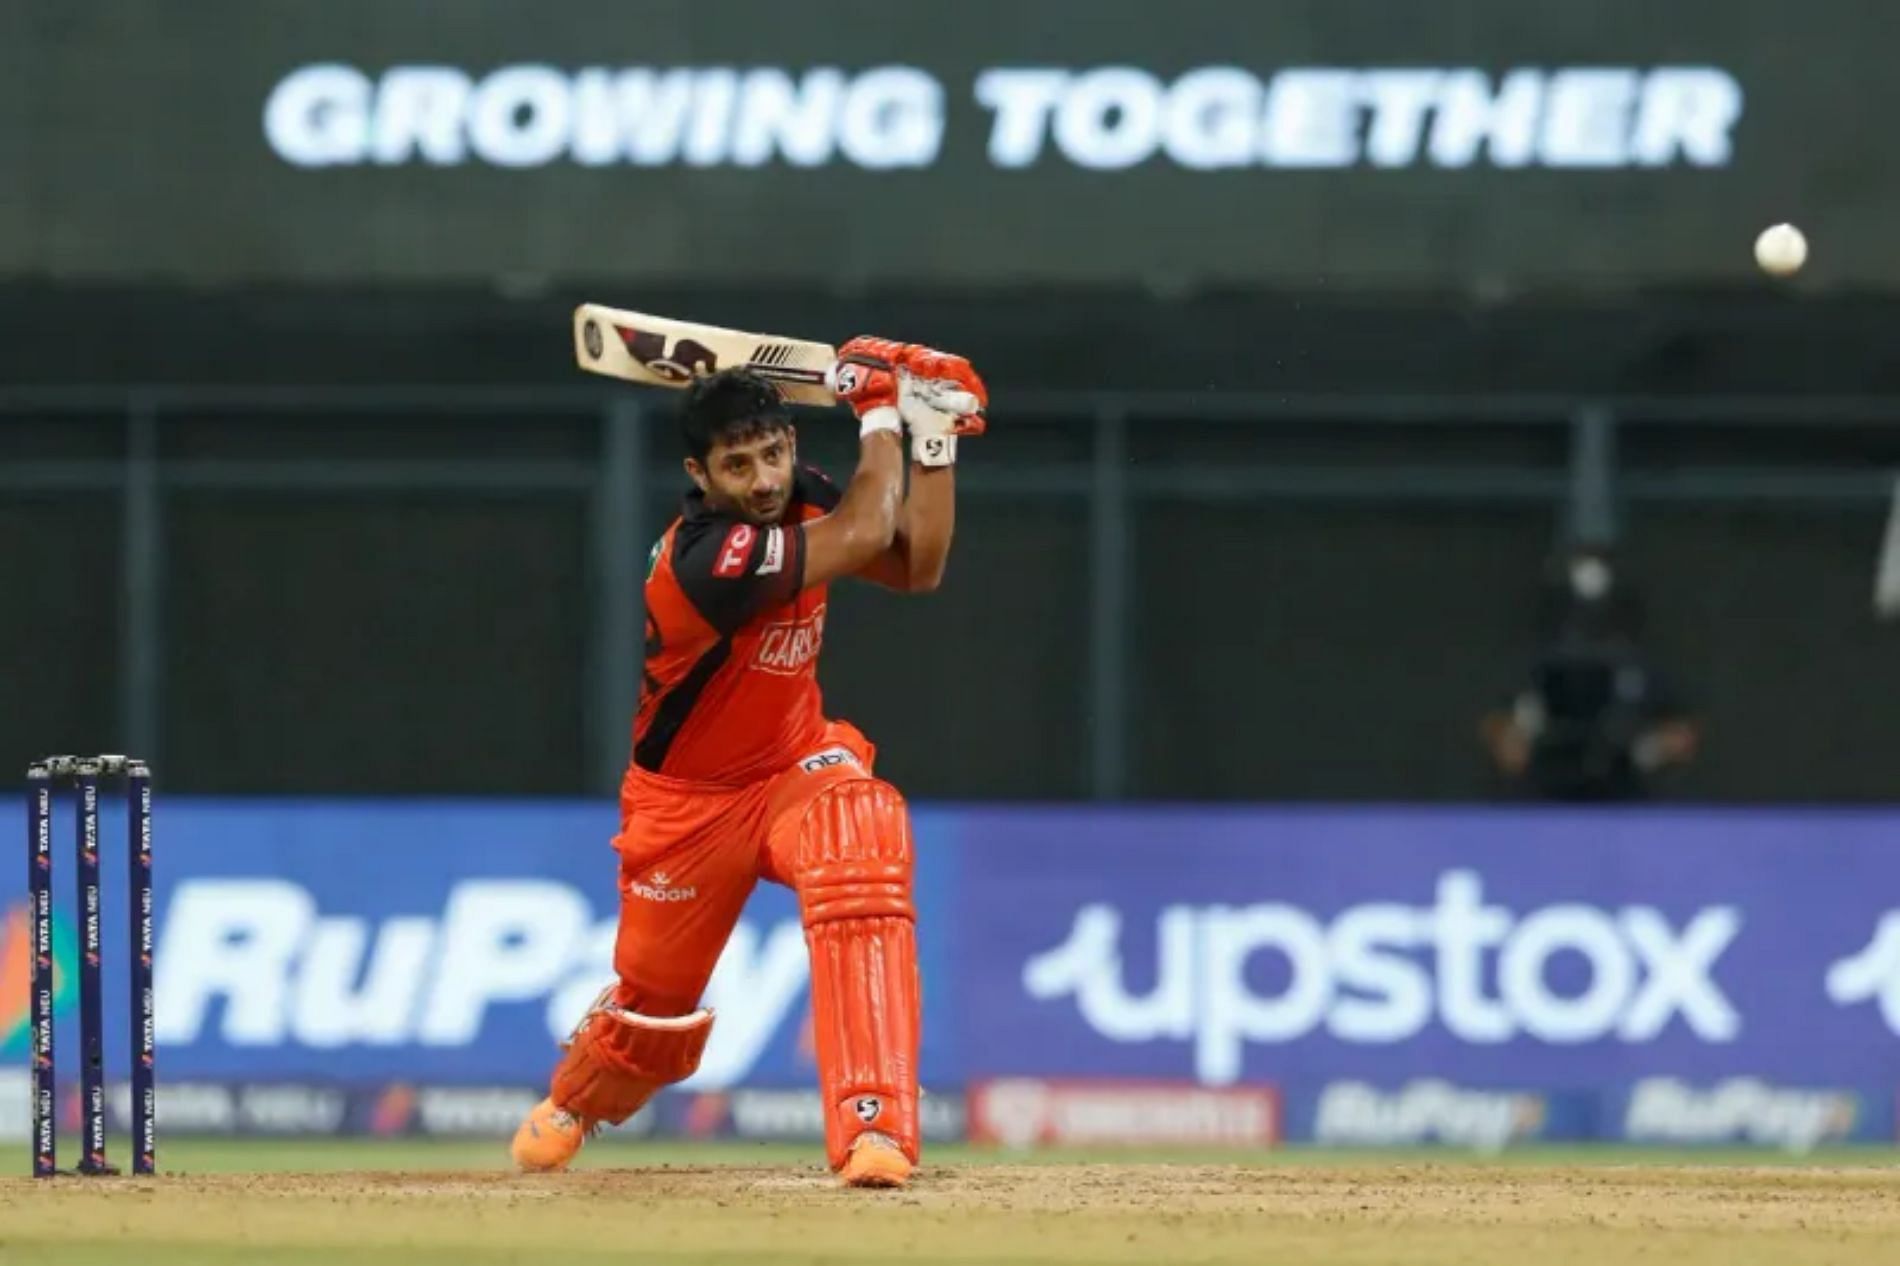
{"points": [[690, 854]]}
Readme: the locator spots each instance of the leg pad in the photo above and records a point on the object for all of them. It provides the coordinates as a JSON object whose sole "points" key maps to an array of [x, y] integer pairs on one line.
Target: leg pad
{"points": [[617, 1059], [854, 888]]}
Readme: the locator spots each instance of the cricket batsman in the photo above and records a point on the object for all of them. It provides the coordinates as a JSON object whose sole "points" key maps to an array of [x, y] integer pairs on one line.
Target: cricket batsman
{"points": [[737, 774]]}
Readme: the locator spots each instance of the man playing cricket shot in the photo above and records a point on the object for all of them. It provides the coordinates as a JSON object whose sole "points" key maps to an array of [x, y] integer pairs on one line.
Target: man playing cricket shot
{"points": [[737, 774]]}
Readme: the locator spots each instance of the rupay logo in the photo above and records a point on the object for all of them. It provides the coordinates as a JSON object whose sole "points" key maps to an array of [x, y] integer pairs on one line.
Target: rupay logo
{"points": [[1742, 1109], [1383, 972], [1352, 1112], [252, 962]]}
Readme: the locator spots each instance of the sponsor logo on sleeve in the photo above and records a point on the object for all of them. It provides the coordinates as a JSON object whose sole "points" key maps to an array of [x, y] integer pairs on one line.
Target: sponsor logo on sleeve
{"points": [[734, 551], [774, 560]]}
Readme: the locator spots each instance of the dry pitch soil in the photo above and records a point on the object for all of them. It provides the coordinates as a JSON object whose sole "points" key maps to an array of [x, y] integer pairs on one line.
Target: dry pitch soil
{"points": [[1416, 1214]]}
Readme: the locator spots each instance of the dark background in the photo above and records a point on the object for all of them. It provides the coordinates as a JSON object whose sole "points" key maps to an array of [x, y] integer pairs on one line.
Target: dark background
{"points": [[134, 146], [1298, 645]]}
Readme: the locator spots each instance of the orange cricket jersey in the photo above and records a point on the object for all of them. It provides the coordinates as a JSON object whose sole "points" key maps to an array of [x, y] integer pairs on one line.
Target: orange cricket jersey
{"points": [[730, 692]]}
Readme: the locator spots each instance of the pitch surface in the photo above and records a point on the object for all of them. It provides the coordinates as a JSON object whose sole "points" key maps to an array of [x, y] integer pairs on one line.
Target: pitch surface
{"points": [[1316, 1210]]}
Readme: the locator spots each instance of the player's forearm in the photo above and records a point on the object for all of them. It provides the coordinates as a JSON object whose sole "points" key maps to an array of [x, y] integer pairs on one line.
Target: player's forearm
{"points": [[929, 522], [867, 514]]}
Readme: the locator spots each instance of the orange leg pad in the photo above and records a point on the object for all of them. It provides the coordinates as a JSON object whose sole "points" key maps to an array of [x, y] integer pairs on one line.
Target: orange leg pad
{"points": [[617, 1059], [853, 875]]}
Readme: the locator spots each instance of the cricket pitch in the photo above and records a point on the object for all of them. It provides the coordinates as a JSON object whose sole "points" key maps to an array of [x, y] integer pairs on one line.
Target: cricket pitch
{"points": [[1412, 1212]]}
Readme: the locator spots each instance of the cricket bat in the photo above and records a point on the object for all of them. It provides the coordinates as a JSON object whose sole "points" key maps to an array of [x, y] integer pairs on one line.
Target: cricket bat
{"points": [[667, 353]]}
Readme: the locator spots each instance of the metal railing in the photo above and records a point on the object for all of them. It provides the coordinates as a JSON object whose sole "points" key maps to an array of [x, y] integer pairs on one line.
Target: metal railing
{"points": [[619, 481]]}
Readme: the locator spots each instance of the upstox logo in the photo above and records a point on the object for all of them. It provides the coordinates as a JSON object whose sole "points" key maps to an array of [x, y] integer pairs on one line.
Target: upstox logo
{"points": [[16, 955], [1384, 972]]}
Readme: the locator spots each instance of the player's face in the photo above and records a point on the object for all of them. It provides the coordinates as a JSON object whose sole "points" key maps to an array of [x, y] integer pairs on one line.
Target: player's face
{"points": [[750, 477]]}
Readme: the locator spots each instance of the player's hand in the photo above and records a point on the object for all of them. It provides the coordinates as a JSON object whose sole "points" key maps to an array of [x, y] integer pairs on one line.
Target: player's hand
{"points": [[865, 378], [948, 384], [940, 398]]}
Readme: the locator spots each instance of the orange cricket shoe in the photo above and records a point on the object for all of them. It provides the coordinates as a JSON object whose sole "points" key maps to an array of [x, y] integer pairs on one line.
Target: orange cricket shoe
{"points": [[548, 1139], [875, 1161]]}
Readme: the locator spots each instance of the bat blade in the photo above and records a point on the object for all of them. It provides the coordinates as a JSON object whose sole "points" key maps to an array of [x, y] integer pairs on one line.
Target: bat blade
{"points": [[662, 352]]}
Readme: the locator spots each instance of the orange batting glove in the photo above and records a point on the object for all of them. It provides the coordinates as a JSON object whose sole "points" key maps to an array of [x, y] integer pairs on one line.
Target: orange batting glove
{"points": [[941, 399], [865, 378], [950, 383]]}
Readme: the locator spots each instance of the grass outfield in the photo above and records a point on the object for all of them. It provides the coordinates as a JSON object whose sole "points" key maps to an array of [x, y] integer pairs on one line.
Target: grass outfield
{"points": [[720, 1204]]}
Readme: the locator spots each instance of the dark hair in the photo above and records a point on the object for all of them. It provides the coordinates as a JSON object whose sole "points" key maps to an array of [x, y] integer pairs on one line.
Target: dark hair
{"points": [[731, 405]]}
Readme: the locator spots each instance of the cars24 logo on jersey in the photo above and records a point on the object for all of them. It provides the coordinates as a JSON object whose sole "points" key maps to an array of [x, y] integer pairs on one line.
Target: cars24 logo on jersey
{"points": [[789, 647]]}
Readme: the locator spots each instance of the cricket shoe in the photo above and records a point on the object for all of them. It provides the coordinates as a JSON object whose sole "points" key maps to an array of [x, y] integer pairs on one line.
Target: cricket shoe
{"points": [[549, 1139], [875, 1161]]}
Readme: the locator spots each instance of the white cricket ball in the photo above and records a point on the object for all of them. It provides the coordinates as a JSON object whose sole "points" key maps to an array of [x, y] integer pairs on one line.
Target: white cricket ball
{"points": [[1781, 250]]}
